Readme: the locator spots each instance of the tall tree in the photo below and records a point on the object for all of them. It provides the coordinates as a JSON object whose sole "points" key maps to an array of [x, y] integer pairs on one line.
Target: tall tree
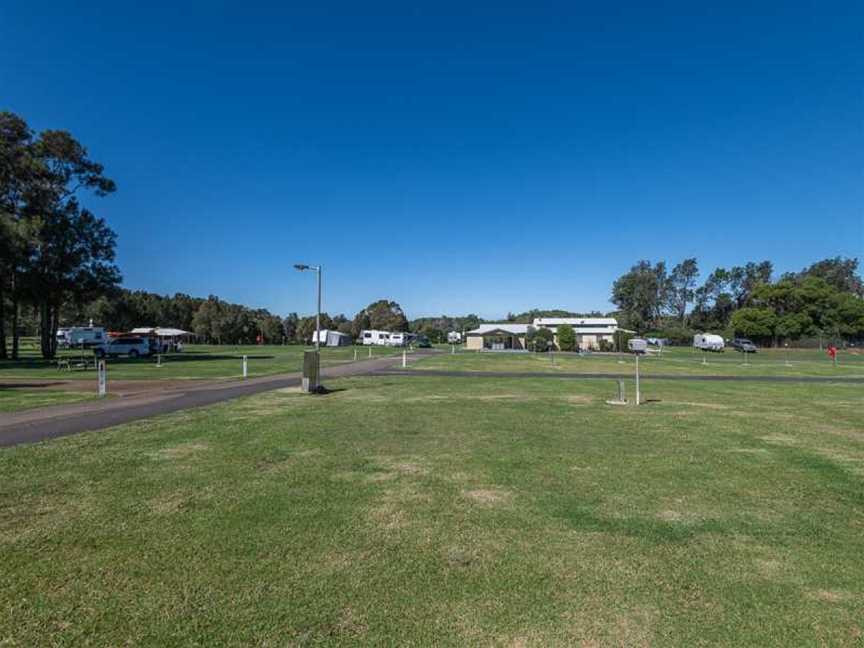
{"points": [[681, 287], [73, 250], [641, 293], [838, 272], [383, 314]]}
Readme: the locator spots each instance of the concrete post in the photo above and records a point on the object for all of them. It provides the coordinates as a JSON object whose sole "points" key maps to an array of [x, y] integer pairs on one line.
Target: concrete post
{"points": [[245, 366], [637, 380]]}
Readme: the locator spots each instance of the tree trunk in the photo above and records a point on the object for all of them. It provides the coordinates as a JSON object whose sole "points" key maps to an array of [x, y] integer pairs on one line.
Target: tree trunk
{"points": [[15, 332], [3, 355], [45, 330], [15, 308]]}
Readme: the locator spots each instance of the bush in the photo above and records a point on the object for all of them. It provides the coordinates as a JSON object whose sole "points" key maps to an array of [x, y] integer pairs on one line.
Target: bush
{"points": [[566, 338], [606, 346], [540, 340]]}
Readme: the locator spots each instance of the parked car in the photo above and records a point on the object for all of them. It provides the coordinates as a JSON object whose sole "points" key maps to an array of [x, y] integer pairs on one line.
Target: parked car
{"points": [[744, 345], [423, 342], [131, 346]]}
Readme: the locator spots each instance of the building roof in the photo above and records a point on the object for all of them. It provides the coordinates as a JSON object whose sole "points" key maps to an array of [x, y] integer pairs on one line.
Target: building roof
{"points": [[505, 327], [576, 321]]}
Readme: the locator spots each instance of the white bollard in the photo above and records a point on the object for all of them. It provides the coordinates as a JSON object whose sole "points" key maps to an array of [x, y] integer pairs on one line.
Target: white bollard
{"points": [[637, 379], [355, 355], [102, 378], [245, 367], [370, 351], [452, 349], [404, 359]]}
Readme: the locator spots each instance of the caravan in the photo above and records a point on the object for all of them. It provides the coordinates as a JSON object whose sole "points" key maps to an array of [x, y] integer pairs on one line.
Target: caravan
{"points": [[77, 337], [375, 338], [708, 342]]}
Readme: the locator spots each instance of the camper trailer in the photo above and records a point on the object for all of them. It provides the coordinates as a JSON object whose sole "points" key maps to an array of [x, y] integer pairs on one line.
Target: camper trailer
{"points": [[375, 338], [332, 338], [708, 342], [454, 337], [82, 336]]}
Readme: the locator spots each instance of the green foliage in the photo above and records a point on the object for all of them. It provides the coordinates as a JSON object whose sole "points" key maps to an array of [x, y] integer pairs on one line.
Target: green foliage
{"points": [[755, 323], [540, 339], [385, 315], [640, 294], [566, 338]]}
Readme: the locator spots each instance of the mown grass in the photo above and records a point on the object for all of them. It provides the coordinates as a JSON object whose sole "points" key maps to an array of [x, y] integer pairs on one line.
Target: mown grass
{"points": [[425, 510], [14, 400], [196, 361], [675, 360]]}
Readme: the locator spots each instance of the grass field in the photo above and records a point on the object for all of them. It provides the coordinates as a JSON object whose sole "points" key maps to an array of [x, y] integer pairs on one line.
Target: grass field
{"points": [[675, 360], [13, 400], [426, 510], [196, 361]]}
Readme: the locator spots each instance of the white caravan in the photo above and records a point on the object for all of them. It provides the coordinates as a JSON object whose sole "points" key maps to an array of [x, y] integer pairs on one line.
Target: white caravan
{"points": [[82, 336], [708, 342], [454, 337], [375, 338], [402, 339]]}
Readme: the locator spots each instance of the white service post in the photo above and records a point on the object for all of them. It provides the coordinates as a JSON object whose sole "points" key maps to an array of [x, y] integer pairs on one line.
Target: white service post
{"points": [[102, 377], [637, 379], [245, 366]]}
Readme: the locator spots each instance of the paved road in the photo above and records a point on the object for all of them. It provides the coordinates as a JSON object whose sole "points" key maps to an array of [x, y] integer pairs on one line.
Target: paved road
{"points": [[32, 426], [616, 376]]}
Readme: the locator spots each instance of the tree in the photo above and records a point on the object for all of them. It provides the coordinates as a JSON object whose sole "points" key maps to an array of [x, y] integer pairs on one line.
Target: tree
{"points": [[681, 287], [756, 323], [17, 175], [840, 273], [290, 325], [566, 338], [641, 293], [743, 280], [380, 315], [72, 251], [539, 339]]}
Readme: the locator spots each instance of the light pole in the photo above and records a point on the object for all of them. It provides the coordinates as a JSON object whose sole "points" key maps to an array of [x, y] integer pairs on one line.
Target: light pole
{"points": [[302, 268]]}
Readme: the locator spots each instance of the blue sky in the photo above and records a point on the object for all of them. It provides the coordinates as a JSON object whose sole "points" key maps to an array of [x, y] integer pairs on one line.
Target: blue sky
{"points": [[455, 157]]}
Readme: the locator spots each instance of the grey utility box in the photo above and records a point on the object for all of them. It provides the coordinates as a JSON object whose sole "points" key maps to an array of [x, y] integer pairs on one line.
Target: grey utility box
{"points": [[638, 345], [311, 371]]}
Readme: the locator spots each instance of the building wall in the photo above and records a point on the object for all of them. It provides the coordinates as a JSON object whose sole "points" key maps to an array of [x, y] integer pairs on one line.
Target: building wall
{"points": [[473, 342]]}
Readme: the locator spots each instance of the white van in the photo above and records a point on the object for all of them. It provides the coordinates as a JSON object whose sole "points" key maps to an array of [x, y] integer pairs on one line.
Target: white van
{"points": [[82, 336], [708, 342]]}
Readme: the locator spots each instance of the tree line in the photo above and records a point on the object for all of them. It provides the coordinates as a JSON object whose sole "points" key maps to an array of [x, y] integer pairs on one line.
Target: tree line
{"points": [[825, 299]]}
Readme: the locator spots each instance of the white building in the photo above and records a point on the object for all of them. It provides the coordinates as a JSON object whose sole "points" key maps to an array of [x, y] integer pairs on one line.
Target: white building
{"points": [[590, 333]]}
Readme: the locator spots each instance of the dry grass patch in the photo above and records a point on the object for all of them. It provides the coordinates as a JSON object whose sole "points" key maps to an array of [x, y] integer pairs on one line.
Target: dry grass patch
{"points": [[182, 451], [489, 497]]}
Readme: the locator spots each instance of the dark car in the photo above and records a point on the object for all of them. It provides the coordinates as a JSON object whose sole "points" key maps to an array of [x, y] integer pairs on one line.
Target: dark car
{"points": [[744, 345], [423, 343]]}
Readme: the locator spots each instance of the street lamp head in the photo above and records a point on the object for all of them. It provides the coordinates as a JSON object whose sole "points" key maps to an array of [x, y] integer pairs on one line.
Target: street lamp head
{"points": [[301, 267]]}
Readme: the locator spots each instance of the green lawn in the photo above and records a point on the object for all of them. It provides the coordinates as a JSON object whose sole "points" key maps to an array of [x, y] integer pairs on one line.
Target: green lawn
{"points": [[427, 510], [13, 400], [672, 361], [196, 361]]}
